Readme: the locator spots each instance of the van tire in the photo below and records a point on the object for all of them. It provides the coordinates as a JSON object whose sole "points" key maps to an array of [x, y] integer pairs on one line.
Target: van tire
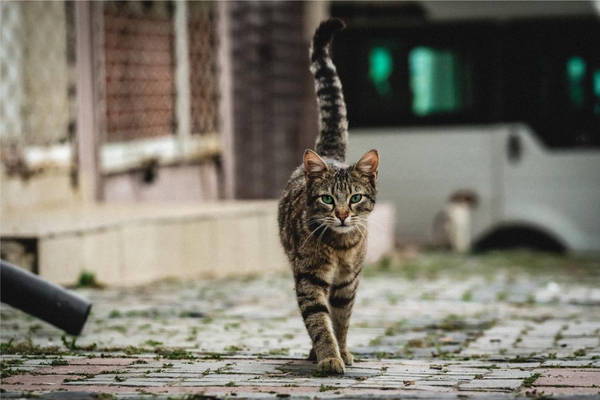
{"points": [[520, 237]]}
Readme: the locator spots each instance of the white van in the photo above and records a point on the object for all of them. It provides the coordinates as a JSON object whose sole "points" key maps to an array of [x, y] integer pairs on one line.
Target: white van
{"points": [[508, 107]]}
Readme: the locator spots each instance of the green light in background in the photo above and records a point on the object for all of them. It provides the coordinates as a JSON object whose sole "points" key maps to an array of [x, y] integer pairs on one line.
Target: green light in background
{"points": [[381, 66], [597, 91], [576, 68], [576, 72], [435, 81]]}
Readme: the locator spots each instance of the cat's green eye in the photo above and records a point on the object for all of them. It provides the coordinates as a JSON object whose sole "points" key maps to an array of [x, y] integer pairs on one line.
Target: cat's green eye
{"points": [[356, 198], [327, 199]]}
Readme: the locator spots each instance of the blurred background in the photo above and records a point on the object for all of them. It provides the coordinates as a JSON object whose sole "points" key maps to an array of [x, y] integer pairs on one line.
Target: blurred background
{"points": [[147, 139]]}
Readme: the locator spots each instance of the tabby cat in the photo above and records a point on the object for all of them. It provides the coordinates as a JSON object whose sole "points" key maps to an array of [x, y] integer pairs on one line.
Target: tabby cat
{"points": [[322, 217]]}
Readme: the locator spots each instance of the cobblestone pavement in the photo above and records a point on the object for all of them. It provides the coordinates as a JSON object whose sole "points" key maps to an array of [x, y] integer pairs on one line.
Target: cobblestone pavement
{"points": [[432, 325]]}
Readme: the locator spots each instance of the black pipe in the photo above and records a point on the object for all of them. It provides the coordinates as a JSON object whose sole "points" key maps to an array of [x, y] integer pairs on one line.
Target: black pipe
{"points": [[44, 300]]}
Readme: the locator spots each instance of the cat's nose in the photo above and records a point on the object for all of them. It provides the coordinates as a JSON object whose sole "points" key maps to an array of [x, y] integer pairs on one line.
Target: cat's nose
{"points": [[342, 215]]}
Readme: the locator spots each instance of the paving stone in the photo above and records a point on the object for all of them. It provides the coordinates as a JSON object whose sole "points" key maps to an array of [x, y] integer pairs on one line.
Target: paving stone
{"points": [[583, 393], [570, 377], [492, 384], [39, 380], [508, 374]]}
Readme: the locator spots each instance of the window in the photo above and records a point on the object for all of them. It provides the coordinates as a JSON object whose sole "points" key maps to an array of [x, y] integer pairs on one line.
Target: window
{"points": [[597, 92], [544, 72], [140, 70], [413, 76], [550, 80], [161, 82], [437, 81], [37, 102]]}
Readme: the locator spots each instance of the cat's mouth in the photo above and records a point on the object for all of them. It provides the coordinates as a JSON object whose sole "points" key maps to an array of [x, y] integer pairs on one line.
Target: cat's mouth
{"points": [[343, 228]]}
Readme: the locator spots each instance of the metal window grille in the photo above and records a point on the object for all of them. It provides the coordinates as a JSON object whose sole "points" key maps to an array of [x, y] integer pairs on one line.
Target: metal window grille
{"points": [[140, 78], [140, 66], [37, 90], [203, 64]]}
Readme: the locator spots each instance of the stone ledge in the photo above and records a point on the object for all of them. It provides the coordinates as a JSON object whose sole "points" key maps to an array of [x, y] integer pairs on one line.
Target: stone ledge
{"points": [[133, 244]]}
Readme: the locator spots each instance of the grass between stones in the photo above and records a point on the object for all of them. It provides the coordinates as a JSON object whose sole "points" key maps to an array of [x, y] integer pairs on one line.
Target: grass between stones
{"points": [[528, 382], [435, 265]]}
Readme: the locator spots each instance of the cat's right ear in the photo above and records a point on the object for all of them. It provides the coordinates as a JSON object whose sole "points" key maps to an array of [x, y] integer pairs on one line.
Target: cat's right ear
{"points": [[313, 164]]}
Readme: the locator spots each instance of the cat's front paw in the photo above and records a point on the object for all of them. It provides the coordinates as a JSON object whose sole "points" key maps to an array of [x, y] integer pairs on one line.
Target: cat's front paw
{"points": [[347, 357], [312, 356], [333, 365]]}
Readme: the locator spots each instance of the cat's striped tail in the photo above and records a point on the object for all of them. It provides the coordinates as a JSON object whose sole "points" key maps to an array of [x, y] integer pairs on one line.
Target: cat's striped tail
{"points": [[333, 124]]}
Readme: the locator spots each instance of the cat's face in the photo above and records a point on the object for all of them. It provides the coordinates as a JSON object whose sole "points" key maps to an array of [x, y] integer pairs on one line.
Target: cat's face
{"points": [[340, 198]]}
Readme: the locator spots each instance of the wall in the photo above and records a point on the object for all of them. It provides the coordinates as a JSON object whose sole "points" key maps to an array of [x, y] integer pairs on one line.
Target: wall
{"points": [[48, 189], [271, 88], [196, 183]]}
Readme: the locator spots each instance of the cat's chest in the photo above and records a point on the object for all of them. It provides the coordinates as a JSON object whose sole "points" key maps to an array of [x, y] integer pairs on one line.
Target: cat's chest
{"points": [[346, 262]]}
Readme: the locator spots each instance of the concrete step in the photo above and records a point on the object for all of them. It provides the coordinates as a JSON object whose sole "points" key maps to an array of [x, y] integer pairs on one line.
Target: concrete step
{"points": [[132, 244]]}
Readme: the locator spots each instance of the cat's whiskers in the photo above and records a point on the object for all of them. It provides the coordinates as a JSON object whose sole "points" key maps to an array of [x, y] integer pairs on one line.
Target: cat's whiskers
{"points": [[318, 227], [363, 223], [320, 236], [377, 224], [359, 219], [309, 224], [358, 225], [375, 218], [370, 220], [364, 226]]}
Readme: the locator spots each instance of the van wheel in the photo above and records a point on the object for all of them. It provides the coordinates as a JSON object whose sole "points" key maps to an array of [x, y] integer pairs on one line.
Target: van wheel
{"points": [[520, 237]]}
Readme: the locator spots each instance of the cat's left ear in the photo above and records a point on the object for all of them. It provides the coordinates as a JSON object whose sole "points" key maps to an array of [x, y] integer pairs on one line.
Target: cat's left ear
{"points": [[368, 164]]}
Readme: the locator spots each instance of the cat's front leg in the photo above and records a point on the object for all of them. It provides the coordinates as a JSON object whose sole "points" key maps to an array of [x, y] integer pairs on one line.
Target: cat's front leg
{"points": [[341, 301], [312, 292]]}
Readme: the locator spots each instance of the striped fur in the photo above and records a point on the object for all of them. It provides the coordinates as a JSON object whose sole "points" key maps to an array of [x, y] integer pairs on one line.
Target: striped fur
{"points": [[333, 124], [322, 220]]}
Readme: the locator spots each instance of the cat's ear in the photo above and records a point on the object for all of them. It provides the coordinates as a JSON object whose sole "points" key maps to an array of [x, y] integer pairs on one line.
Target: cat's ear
{"points": [[368, 164], [313, 164]]}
